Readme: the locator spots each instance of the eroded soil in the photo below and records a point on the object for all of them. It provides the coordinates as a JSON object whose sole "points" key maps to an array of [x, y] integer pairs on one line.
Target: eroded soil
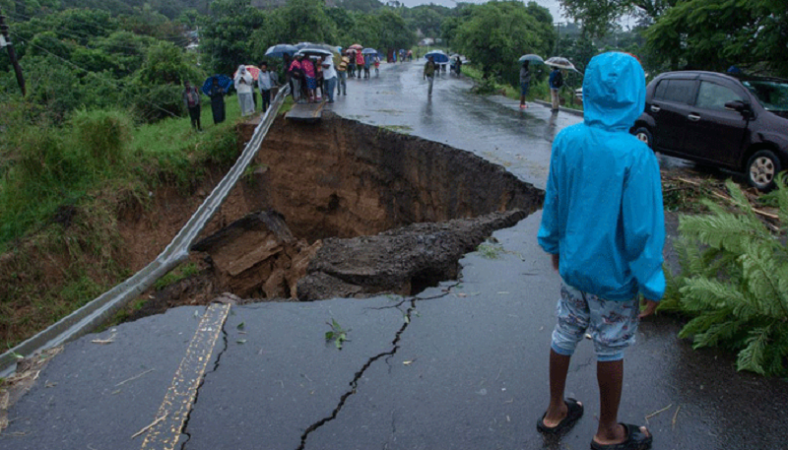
{"points": [[340, 208]]}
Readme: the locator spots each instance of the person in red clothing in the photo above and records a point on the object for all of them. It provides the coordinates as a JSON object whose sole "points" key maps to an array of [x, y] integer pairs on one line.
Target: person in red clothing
{"points": [[359, 62]]}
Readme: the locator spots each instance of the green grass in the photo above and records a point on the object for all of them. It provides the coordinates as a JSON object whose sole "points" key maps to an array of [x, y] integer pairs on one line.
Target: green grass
{"points": [[179, 273], [537, 91], [61, 188]]}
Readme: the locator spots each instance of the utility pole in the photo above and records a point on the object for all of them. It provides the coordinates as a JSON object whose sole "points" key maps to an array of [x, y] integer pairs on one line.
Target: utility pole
{"points": [[6, 42]]}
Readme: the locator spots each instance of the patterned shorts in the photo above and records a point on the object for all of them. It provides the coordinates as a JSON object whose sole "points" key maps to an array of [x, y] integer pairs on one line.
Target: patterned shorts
{"points": [[612, 324]]}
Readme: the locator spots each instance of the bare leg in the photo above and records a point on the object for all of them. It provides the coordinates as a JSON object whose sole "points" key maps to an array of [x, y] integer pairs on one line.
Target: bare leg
{"points": [[610, 376], [559, 366]]}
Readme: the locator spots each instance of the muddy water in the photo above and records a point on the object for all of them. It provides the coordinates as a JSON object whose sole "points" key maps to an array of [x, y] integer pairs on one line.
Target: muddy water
{"points": [[331, 209]]}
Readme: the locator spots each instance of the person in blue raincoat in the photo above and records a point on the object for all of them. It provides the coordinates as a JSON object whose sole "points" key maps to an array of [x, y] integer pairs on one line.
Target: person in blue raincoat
{"points": [[603, 225]]}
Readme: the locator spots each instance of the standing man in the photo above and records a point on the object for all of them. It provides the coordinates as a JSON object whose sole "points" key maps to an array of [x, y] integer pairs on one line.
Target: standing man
{"points": [[556, 80], [244, 86], [191, 98], [329, 78], [429, 74], [265, 81], [342, 74], [603, 225], [525, 82]]}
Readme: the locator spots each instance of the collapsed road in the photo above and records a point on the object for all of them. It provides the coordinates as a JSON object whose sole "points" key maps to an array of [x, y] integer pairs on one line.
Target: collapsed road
{"points": [[460, 365]]}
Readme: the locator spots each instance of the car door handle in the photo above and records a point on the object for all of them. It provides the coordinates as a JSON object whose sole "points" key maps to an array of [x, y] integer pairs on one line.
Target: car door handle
{"points": [[655, 108], [693, 117]]}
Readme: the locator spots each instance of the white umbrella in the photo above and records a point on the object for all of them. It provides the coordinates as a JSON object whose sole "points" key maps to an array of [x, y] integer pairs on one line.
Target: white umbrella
{"points": [[561, 63]]}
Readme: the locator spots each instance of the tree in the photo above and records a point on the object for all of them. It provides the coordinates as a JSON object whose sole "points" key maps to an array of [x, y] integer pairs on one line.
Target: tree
{"points": [[713, 35], [227, 32], [497, 33], [307, 20], [394, 32], [598, 15]]}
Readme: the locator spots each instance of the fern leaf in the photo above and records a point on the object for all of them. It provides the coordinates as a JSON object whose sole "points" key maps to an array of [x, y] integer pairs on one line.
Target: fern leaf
{"points": [[752, 356]]}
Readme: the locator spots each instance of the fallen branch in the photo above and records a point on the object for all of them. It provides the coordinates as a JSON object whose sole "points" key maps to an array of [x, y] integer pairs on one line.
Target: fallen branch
{"points": [[153, 424], [134, 377], [658, 412], [729, 199]]}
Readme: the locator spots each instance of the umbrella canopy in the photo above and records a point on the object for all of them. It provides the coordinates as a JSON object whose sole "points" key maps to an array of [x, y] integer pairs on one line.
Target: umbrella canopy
{"points": [[314, 51], [279, 50], [561, 63], [224, 82], [356, 47], [438, 56], [253, 71], [369, 51], [533, 59]]}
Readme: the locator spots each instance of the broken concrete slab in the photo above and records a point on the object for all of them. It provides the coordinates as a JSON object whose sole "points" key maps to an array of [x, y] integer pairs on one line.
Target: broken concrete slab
{"points": [[402, 261], [279, 376]]}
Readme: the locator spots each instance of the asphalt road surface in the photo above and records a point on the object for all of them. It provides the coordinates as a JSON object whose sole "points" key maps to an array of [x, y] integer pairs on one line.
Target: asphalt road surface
{"points": [[461, 366]]}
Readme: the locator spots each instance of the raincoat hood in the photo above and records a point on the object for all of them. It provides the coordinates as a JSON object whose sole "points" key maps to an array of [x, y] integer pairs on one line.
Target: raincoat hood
{"points": [[614, 91]]}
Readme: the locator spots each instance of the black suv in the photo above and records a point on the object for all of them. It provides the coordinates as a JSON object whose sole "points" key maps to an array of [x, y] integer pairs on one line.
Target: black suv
{"points": [[730, 121]]}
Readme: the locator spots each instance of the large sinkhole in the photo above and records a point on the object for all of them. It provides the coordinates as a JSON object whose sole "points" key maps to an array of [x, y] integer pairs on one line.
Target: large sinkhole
{"points": [[351, 210]]}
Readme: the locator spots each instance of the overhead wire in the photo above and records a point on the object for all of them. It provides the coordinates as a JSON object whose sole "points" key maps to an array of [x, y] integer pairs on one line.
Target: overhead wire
{"points": [[113, 83], [182, 41]]}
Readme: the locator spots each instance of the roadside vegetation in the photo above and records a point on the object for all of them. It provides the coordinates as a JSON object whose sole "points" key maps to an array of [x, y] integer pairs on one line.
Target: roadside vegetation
{"points": [[733, 282], [102, 128]]}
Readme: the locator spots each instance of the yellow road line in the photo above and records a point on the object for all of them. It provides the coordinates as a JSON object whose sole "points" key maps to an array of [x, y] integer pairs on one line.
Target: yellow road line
{"points": [[166, 432]]}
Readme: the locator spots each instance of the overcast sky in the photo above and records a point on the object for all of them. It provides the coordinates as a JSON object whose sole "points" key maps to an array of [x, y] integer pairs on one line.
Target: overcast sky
{"points": [[552, 5]]}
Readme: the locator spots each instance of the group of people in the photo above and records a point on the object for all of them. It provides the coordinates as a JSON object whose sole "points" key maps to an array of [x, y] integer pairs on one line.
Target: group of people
{"points": [[308, 74], [245, 87], [359, 65], [313, 78], [555, 82]]}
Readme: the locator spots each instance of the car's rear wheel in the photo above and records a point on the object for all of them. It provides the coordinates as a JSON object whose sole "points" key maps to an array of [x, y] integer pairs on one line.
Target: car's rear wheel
{"points": [[644, 136], [762, 168]]}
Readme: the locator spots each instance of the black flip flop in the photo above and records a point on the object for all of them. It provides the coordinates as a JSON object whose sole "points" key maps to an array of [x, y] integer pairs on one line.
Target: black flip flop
{"points": [[573, 414], [635, 440]]}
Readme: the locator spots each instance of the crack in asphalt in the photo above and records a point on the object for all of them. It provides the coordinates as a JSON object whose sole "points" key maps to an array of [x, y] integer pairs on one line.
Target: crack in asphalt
{"points": [[202, 382], [387, 355]]}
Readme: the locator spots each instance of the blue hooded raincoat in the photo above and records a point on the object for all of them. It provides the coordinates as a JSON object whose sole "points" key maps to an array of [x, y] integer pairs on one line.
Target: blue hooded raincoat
{"points": [[603, 210]]}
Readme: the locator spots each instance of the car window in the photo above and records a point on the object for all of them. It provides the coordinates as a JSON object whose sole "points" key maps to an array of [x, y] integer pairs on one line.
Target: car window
{"points": [[679, 91], [659, 93], [773, 95], [714, 96]]}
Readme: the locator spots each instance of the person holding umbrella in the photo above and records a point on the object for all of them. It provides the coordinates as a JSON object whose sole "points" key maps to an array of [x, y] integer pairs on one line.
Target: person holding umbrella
{"points": [[216, 93], [351, 67], [429, 73], [191, 98], [309, 74], [244, 87], [525, 82], [556, 80]]}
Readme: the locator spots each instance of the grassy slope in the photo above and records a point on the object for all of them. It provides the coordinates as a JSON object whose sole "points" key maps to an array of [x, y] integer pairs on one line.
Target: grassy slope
{"points": [[52, 266]]}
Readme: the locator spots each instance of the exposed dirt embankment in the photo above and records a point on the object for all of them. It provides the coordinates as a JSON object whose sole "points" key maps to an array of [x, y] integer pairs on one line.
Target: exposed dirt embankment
{"points": [[341, 179]]}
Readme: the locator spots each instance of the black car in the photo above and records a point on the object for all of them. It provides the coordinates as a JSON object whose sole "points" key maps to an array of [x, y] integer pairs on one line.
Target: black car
{"points": [[729, 121]]}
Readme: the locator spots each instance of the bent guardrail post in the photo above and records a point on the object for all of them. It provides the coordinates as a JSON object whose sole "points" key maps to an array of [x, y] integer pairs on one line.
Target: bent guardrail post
{"points": [[103, 307]]}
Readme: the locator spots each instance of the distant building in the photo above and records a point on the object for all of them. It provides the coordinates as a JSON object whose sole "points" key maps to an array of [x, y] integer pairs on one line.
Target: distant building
{"points": [[426, 41]]}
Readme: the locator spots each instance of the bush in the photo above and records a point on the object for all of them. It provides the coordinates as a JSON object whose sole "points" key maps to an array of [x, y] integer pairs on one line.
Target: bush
{"points": [[734, 282], [102, 136]]}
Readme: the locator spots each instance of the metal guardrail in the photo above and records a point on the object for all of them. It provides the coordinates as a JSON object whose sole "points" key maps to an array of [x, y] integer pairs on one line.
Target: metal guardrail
{"points": [[102, 308]]}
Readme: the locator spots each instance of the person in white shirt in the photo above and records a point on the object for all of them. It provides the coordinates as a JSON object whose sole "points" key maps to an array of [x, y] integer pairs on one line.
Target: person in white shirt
{"points": [[329, 77], [243, 85], [265, 81]]}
